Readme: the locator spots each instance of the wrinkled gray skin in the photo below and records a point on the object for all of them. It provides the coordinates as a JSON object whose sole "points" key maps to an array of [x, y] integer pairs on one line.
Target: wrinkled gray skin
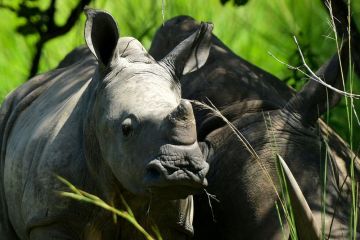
{"points": [[274, 121], [111, 122]]}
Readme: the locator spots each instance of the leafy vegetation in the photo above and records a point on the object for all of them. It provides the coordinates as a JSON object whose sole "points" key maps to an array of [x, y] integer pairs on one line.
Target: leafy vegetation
{"points": [[252, 31]]}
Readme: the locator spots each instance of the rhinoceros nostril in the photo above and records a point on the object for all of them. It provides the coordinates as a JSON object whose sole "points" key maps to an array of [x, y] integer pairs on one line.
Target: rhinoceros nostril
{"points": [[153, 173]]}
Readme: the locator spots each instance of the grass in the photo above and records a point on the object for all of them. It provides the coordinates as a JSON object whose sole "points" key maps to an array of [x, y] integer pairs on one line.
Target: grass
{"points": [[350, 110], [350, 113]]}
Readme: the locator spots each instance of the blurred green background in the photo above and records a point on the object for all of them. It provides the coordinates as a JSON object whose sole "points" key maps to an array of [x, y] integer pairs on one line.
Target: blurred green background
{"points": [[251, 30]]}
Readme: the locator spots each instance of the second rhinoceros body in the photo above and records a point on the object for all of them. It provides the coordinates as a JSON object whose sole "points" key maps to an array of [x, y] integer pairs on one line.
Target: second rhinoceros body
{"points": [[274, 121]]}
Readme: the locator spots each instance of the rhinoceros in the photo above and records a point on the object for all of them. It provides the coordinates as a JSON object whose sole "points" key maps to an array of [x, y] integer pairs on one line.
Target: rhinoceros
{"points": [[114, 124], [275, 123]]}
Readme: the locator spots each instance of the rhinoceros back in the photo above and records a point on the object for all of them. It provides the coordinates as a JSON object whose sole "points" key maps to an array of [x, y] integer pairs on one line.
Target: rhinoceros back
{"points": [[40, 128]]}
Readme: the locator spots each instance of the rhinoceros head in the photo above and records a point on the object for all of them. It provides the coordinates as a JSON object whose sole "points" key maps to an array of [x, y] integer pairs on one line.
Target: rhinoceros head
{"points": [[145, 131]]}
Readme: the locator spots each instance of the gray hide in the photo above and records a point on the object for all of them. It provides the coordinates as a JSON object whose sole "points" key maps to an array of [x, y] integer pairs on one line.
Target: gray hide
{"points": [[112, 123], [274, 121]]}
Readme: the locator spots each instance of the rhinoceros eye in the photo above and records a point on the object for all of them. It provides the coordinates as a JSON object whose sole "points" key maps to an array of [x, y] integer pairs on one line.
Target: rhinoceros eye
{"points": [[127, 127]]}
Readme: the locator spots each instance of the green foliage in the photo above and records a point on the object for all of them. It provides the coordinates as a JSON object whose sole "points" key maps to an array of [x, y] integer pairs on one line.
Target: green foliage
{"points": [[252, 31], [15, 53]]}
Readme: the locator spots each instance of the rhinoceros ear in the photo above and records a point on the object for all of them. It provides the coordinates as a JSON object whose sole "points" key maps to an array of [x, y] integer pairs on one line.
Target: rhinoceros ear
{"points": [[191, 53], [314, 98], [101, 34]]}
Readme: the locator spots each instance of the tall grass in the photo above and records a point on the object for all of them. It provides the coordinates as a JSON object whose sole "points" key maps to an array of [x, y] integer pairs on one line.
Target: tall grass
{"points": [[350, 113], [350, 110]]}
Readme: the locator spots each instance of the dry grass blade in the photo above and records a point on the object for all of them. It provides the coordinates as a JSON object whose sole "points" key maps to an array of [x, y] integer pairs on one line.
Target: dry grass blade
{"points": [[163, 11], [312, 75], [209, 197]]}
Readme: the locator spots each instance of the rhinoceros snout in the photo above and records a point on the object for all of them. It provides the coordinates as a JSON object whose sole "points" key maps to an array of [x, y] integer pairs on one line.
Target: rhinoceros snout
{"points": [[181, 168]]}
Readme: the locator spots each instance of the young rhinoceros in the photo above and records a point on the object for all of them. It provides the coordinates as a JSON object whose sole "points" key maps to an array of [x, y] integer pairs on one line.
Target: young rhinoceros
{"points": [[114, 125]]}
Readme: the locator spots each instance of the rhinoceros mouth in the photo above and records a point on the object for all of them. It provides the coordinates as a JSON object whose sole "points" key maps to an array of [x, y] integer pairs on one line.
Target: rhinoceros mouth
{"points": [[164, 178]]}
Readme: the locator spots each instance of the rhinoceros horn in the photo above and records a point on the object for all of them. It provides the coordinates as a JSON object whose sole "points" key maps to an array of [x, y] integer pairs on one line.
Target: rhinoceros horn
{"points": [[305, 222], [191, 53], [181, 122], [314, 98]]}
